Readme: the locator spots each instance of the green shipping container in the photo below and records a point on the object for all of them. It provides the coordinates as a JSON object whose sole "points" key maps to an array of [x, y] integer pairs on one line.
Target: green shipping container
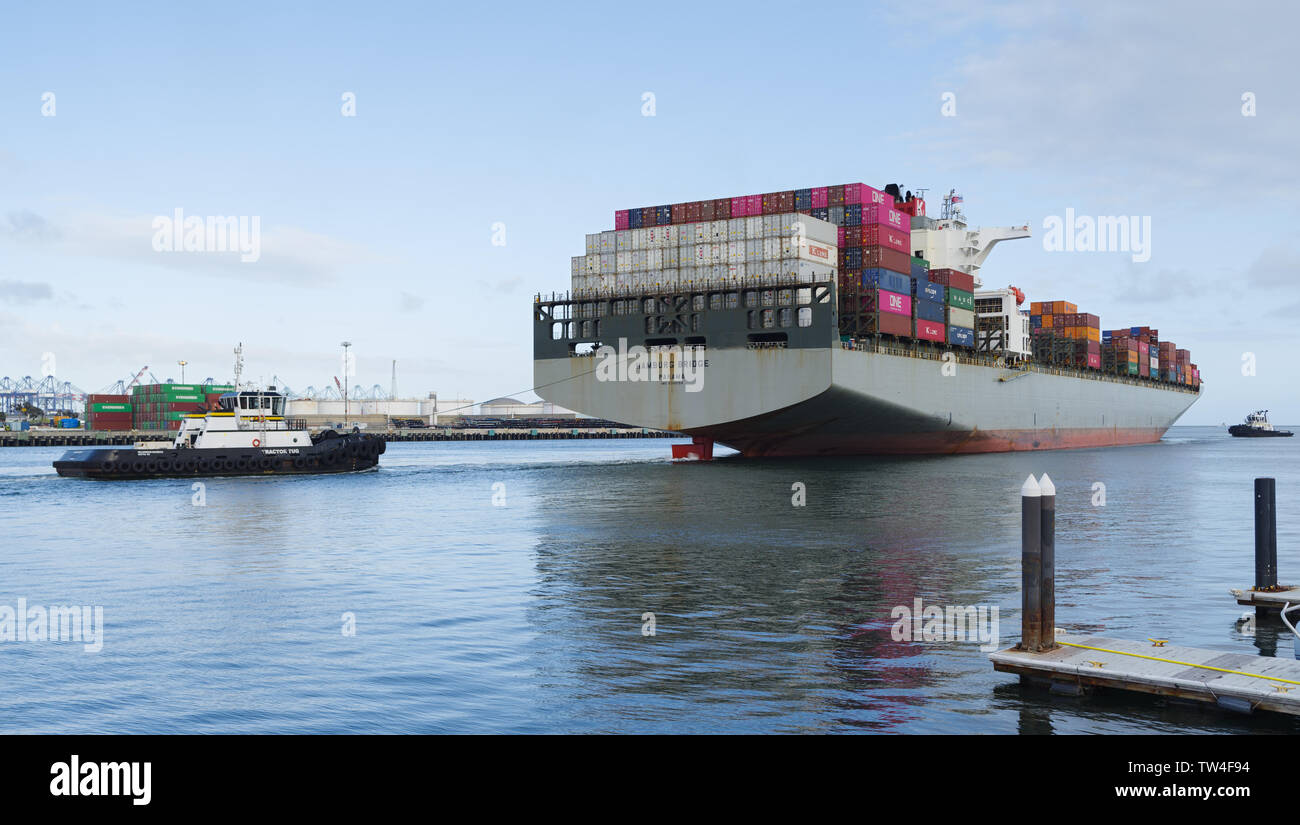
{"points": [[961, 299], [1132, 368], [110, 408], [922, 261]]}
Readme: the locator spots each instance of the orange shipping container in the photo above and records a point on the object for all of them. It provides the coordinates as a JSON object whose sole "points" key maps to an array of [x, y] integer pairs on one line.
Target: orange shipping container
{"points": [[1047, 321]]}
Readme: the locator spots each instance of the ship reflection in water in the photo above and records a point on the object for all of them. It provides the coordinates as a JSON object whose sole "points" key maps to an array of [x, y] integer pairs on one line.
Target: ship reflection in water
{"points": [[514, 588]]}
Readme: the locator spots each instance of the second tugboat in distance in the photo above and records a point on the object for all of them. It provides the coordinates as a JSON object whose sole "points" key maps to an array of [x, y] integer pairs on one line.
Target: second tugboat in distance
{"points": [[1257, 426]]}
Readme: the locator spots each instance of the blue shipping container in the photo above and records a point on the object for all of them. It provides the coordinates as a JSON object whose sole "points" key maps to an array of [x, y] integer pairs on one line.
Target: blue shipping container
{"points": [[69, 423], [822, 213], [927, 291], [851, 257], [664, 215], [1036, 321], [853, 214], [929, 311], [919, 271], [634, 219], [887, 279], [802, 199], [961, 336]]}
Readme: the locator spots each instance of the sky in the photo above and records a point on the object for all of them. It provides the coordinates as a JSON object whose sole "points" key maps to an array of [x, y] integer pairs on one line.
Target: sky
{"points": [[526, 124]]}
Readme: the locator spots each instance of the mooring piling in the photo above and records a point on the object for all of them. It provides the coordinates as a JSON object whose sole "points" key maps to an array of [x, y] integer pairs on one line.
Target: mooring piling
{"points": [[1031, 565], [1265, 534], [1047, 565]]}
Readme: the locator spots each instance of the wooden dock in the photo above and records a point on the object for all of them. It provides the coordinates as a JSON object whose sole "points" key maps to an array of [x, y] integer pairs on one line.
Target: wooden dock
{"points": [[1235, 681]]}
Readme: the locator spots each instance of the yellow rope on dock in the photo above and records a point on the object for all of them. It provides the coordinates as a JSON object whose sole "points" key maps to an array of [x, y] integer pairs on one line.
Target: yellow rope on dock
{"points": [[1185, 664]]}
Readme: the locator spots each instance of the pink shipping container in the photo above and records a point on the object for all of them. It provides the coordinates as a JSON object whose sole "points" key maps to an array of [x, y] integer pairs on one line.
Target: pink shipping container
{"points": [[1094, 360], [886, 216], [755, 204], [865, 195], [929, 330], [740, 207], [894, 302], [820, 197], [880, 235], [620, 219], [1144, 350]]}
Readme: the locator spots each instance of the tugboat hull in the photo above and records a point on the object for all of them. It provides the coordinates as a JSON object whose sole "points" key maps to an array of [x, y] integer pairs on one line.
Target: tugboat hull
{"points": [[344, 454], [1247, 431]]}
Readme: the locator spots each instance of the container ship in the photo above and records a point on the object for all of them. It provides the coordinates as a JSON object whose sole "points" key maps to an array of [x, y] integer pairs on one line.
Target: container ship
{"points": [[840, 320]]}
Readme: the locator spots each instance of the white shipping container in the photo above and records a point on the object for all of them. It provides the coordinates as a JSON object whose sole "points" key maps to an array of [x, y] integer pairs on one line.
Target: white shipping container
{"points": [[735, 273], [754, 227], [771, 226], [624, 243], [671, 257], [578, 265], [809, 272], [736, 229], [623, 280], [771, 248], [735, 252], [671, 276], [608, 263], [718, 253], [797, 225], [593, 244], [654, 258], [623, 262], [592, 264], [608, 242], [685, 274], [702, 234], [640, 259], [670, 235], [961, 318], [718, 230]]}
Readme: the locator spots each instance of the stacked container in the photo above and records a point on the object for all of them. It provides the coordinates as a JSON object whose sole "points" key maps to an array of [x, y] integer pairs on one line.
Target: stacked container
{"points": [[165, 406], [108, 412], [959, 300], [929, 304]]}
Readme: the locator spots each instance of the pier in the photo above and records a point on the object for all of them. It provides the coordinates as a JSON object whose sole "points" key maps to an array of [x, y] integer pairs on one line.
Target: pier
{"points": [[1076, 665], [82, 438]]}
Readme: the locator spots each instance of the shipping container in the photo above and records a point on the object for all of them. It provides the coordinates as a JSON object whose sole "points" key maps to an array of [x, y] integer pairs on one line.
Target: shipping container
{"points": [[894, 302], [886, 279], [961, 299], [928, 330], [960, 317], [961, 336], [894, 324], [886, 258], [929, 311]]}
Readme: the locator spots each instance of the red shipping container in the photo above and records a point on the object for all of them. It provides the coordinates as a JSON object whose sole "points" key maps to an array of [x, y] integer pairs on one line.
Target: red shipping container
{"points": [[649, 216], [706, 210], [930, 331], [785, 201], [771, 203], [900, 325], [886, 258], [679, 213], [721, 209], [849, 236], [693, 209], [820, 197], [1094, 360], [954, 278], [621, 219], [740, 207], [880, 235], [835, 195], [886, 215]]}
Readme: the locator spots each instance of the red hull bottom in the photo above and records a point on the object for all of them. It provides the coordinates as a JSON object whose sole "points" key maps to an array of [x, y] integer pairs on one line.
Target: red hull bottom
{"points": [[931, 443]]}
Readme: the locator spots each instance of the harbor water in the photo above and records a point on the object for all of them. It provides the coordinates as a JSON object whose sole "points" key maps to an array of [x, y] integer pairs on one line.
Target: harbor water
{"points": [[594, 586]]}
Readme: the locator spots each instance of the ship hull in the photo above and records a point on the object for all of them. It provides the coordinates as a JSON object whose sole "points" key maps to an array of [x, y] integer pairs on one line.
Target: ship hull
{"points": [[834, 401]]}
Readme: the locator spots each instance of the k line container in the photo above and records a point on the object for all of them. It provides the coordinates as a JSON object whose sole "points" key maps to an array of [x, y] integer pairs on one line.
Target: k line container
{"points": [[928, 330]]}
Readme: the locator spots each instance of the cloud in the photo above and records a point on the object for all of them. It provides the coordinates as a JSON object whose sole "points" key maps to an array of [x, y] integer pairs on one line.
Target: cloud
{"points": [[409, 302], [1096, 93], [25, 225], [24, 292], [287, 254]]}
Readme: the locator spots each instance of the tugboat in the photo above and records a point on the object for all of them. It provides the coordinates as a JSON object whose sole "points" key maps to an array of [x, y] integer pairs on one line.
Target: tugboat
{"points": [[1257, 426], [247, 435]]}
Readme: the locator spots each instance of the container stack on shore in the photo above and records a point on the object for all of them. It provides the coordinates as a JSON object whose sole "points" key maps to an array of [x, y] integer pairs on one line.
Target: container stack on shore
{"points": [[108, 412], [164, 406]]}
